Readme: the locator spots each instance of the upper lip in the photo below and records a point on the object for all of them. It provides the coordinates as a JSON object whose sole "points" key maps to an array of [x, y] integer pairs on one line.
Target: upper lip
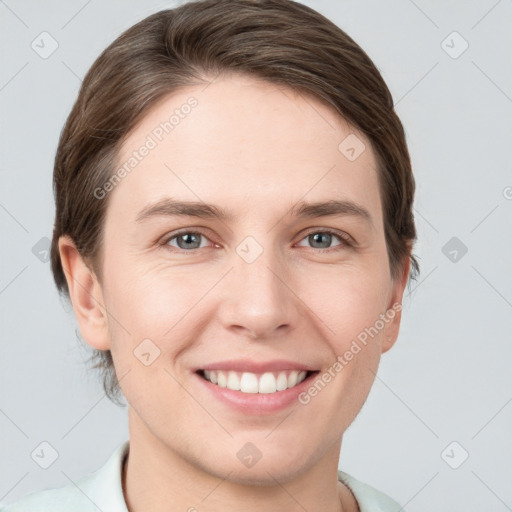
{"points": [[245, 365]]}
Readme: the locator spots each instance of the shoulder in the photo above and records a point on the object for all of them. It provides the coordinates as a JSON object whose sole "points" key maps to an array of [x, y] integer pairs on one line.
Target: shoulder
{"points": [[368, 498], [101, 490], [58, 500]]}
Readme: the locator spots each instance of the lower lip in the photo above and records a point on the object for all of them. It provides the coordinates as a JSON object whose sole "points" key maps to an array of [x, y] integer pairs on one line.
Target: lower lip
{"points": [[257, 403]]}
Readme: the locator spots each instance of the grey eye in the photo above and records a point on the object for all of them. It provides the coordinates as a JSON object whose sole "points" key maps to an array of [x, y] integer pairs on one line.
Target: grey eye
{"points": [[188, 240], [322, 239]]}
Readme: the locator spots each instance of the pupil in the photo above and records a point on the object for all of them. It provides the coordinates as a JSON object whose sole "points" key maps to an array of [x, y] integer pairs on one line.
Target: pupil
{"points": [[318, 236], [186, 240]]}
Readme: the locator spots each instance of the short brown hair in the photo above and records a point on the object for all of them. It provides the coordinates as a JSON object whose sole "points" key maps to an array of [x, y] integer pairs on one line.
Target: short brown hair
{"points": [[281, 41]]}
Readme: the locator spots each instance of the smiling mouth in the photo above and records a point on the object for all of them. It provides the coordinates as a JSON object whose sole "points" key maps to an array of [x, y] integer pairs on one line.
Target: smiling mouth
{"points": [[247, 382]]}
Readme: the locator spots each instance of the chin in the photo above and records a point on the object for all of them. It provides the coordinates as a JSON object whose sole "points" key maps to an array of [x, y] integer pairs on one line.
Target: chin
{"points": [[265, 474], [250, 465]]}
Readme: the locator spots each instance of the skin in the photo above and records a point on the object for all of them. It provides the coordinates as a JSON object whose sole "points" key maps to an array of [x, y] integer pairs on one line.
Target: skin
{"points": [[255, 149]]}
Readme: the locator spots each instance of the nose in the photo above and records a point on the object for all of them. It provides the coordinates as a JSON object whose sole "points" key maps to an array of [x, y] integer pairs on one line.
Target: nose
{"points": [[259, 301]]}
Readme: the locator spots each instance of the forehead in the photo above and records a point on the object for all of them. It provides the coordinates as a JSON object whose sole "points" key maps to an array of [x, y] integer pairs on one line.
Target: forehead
{"points": [[248, 142]]}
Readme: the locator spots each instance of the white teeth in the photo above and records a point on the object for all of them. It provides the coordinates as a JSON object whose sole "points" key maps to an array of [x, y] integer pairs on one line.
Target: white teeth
{"points": [[222, 380], [248, 382], [292, 379], [233, 381], [281, 382], [267, 383]]}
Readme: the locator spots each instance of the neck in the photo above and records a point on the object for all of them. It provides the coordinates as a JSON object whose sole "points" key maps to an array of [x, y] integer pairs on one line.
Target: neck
{"points": [[157, 478]]}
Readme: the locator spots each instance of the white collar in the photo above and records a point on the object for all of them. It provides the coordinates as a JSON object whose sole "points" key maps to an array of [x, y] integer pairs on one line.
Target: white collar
{"points": [[103, 490]]}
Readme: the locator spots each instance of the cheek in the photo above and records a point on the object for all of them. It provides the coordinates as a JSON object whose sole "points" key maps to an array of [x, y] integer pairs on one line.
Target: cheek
{"points": [[349, 302], [151, 324], [153, 299]]}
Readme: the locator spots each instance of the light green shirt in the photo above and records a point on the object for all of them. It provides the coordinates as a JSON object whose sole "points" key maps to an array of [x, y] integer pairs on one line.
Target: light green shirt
{"points": [[102, 491]]}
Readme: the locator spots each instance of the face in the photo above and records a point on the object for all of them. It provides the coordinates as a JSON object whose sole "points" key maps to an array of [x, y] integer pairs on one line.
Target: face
{"points": [[252, 278]]}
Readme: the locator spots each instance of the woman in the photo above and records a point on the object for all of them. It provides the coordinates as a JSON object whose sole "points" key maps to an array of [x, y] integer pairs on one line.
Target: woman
{"points": [[234, 229]]}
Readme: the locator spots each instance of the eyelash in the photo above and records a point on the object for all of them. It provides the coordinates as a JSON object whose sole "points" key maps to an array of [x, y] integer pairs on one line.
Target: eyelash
{"points": [[346, 240]]}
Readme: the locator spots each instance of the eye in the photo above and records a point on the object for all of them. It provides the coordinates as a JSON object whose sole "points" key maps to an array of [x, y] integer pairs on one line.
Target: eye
{"points": [[189, 241], [186, 240], [322, 239]]}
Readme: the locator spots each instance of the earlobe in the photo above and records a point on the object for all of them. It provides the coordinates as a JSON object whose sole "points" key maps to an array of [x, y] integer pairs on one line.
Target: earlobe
{"points": [[86, 296], [394, 311]]}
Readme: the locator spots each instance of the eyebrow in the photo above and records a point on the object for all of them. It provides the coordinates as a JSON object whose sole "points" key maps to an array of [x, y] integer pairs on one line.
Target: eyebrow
{"points": [[334, 208]]}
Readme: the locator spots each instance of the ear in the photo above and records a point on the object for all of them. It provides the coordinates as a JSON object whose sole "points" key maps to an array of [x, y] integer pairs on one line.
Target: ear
{"points": [[394, 312], [86, 296]]}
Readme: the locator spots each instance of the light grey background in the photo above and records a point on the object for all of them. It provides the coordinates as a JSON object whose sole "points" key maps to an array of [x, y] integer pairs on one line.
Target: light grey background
{"points": [[447, 379]]}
